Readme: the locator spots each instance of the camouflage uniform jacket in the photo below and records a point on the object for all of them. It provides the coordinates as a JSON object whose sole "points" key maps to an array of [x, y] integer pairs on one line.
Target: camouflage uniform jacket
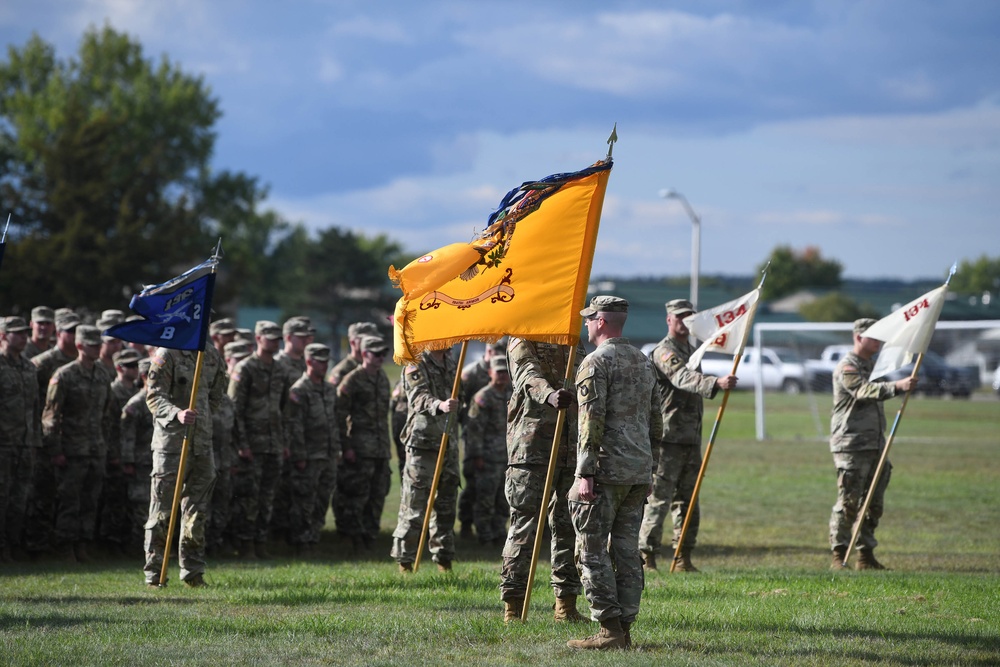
{"points": [[428, 382], [537, 370], [397, 400], [682, 391], [294, 368], [475, 376], [19, 426], [258, 392], [858, 421], [168, 391], [340, 371], [619, 414], [47, 363], [119, 396], [311, 420], [72, 423], [31, 350], [223, 421], [486, 426], [137, 432], [363, 413]]}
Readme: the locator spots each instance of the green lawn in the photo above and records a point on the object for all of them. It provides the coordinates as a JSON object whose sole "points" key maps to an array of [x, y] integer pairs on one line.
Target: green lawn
{"points": [[764, 597]]}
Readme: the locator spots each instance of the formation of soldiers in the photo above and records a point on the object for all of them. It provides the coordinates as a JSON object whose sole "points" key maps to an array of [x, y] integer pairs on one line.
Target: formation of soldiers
{"points": [[91, 431]]}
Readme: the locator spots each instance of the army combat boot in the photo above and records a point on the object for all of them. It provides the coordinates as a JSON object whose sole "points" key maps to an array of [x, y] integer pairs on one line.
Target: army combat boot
{"points": [[839, 554], [565, 610], [611, 635], [627, 629], [512, 609], [649, 562], [683, 562], [866, 561]]}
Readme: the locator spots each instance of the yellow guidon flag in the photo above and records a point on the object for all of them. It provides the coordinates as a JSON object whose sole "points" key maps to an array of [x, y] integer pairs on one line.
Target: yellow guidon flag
{"points": [[525, 275]]}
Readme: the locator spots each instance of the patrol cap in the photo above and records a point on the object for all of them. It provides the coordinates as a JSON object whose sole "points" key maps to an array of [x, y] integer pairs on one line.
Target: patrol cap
{"points": [[106, 323], [244, 334], [680, 307], [88, 335], [498, 363], [13, 324], [296, 326], [267, 329], [861, 326], [67, 320], [222, 326], [318, 352], [374, 344], [238, 349], [359, 329], [43, 314], [605, 304], [128, 355], [144, 365], [499, 346], [112, 317]]}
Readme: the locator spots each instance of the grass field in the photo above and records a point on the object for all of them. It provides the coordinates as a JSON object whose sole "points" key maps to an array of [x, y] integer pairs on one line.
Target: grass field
{"points": [[764, 596]]}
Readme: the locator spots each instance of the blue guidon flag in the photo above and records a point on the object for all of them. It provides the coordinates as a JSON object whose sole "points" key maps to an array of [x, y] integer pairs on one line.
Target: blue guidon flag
{"points": [[175, 313]]}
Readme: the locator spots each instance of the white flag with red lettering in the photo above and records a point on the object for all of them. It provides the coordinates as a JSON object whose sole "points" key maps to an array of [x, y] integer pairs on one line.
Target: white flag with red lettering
{"points": [[723, 328], [906, 332]]}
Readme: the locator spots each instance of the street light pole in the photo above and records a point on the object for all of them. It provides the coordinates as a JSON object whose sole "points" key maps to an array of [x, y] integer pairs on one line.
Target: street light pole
{"points": [[695, 240]]}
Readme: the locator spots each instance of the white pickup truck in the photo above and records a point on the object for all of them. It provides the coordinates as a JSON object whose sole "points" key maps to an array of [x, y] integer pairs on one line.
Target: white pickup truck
{"points": [[780, 368]]}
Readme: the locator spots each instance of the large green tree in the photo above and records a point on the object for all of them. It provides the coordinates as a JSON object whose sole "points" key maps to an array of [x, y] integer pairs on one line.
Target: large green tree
{"points": [[981, 275], [837, 307], [104, 166], [791, 270]]}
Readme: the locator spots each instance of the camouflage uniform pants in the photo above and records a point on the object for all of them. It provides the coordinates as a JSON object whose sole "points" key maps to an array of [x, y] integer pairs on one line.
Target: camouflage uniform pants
{"points": [[115, 519], [78, 488], [303, 487], [326, 491], [282, 506], [607, 539], [675, 471], [138, 500], [417, 478], [467, 498], [221, 503], [490, 510], [253, 495], [361, 491], [15, 485], [196, 495], [41, 512], [523, 487], [855, 471]]}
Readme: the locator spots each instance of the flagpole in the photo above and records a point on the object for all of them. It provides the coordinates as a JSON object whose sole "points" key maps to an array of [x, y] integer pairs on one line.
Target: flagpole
{"points": [[5, 227], [715, 430], [549, 476], [440, 460], [186, 444]]}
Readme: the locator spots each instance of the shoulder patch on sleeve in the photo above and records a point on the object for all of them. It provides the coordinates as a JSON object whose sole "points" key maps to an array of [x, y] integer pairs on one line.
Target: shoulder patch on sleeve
{"points": [[480, 400], [850, 369], [514, 342], [586, 387], [53, 380], [293, 396]]}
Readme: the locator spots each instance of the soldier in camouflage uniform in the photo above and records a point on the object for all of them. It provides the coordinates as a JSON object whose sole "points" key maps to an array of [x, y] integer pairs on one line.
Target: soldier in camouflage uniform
{"points": [[225, 451], [619, 419], [486, 448], [428, 391], [20, 433], [43, 326], [313, 438], [40, 518], [258, 387], [398, 408], [222, 332], [114, 517], [677, 458], [136, 433], [362, 411], [475, 376], [538, 371], [857, 437], [168, 395], [73, 436]]}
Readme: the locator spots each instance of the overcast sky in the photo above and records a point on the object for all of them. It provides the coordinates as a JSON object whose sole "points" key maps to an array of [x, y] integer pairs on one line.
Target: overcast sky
{"points": [[870, 129]]}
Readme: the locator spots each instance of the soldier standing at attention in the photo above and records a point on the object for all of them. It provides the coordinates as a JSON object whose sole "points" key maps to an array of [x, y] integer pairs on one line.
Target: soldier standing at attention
{"points": [[222, 331], [857, 437], [168, 395], [225, 450], [73, 435], [20, 434], [259, 387], [486, 449], [355, 332], [313, 438], [136, 432], [115, 516], [428, 391], [537, 372], [363, 411], [42, 328], [619, 419], [677, 458], [398, 408]]}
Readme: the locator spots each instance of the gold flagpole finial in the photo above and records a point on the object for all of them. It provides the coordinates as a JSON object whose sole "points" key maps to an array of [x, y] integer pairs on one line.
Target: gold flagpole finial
{"points": [[612, 139]]}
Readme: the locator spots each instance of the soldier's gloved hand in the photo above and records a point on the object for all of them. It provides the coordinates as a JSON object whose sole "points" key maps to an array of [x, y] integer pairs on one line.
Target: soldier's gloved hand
{"points": [[350, 456], [300, 465], [59, 460], [448, 406], [479, 463], [129, 469], [246, 454], [560, 399]]}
